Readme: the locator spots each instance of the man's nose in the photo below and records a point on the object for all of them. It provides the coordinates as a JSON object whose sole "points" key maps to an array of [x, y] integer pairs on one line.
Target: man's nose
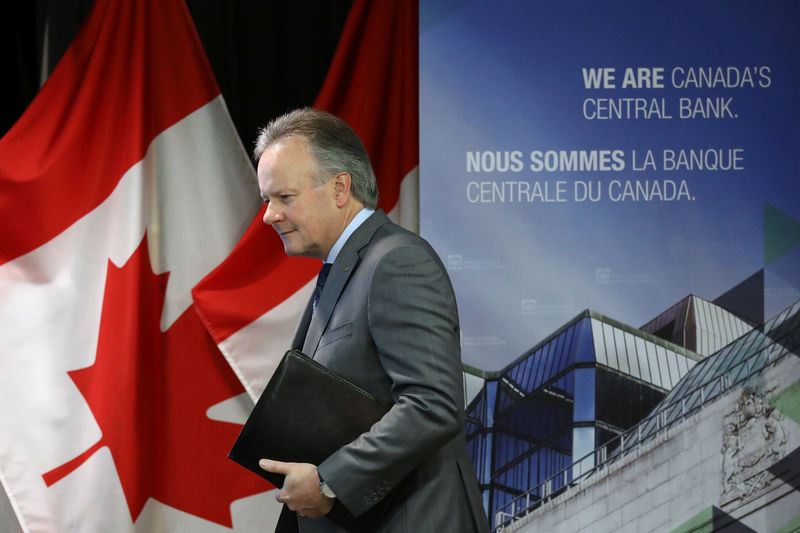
{"points": [[272, 215]]}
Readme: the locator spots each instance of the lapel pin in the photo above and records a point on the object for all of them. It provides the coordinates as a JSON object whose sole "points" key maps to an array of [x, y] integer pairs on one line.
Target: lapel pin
{"points": [[347, 268]]}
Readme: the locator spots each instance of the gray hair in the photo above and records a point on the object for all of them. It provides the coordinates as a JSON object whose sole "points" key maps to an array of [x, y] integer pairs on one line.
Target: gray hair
{"points": [[334, 145]]}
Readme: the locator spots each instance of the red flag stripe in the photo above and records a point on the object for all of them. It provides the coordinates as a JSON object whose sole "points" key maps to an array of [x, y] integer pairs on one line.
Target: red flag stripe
{"points": [[62, 159], [255, 277], [373, 85]]}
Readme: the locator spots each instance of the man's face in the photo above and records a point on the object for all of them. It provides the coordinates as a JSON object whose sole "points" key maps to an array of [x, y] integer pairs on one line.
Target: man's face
{"points": [[304, 214]]}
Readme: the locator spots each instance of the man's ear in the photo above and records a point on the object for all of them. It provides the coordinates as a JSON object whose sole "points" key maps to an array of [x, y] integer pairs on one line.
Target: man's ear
{"points": [[341, 188]]}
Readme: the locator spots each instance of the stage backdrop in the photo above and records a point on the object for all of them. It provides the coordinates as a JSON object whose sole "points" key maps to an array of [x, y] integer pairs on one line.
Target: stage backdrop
{"points": [[612, 155]]}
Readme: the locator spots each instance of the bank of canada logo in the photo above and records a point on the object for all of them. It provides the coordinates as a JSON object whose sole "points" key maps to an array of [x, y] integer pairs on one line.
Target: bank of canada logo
{"points": [[454, 262], [602, 276], [528, 307]]}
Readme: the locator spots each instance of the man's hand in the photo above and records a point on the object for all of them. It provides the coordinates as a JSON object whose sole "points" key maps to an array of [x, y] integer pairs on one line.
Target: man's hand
{"points": [[300, 489]]}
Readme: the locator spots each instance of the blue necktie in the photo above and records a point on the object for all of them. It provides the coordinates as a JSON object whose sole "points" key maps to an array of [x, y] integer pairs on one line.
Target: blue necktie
{"points": [[323, 275]]}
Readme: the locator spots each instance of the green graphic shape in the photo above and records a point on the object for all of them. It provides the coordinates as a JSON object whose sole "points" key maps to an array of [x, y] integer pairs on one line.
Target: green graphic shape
{"points": [[781, 233], [791, 527], [702, 522], [788, 401]]}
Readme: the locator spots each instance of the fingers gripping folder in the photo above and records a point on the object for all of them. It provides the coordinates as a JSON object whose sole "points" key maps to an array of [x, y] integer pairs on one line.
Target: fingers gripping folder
{"points": [[306, 413]]}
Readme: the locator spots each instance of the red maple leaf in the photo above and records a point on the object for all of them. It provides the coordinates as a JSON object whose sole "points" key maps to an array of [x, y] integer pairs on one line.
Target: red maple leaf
{"points": [[149, 392]]}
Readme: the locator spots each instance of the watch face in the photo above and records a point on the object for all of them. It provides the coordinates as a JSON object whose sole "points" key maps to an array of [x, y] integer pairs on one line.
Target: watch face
{"points": [[326, 490]]}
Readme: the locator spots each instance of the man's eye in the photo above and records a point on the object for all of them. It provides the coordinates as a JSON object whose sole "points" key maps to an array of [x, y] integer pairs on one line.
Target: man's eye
{"points": [[285, 197]]}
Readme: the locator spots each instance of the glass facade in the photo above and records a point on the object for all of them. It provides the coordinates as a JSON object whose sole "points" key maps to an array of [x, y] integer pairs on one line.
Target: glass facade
{"points": [[728, 367], [698, 325], [574, 420], [586, 383]]}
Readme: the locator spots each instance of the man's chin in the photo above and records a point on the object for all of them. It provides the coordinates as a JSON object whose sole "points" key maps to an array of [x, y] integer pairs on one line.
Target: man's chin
{"points": [[291, 252], [288, 248], [294, 251]]}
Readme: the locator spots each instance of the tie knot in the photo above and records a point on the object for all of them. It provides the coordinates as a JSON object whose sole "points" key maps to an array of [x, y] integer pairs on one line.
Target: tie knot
{"points": [[323, 275]]}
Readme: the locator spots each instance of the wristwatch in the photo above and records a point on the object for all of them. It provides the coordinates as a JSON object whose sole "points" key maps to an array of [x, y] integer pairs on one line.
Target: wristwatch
{"points": [[325, 490]]}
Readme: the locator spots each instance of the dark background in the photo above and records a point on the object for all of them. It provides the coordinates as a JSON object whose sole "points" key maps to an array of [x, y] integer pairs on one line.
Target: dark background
{"points": [[268, 57]]}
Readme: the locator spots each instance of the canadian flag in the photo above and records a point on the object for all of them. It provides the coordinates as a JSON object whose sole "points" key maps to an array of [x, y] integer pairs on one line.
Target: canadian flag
{"points": [[252, 302], [121, 187]]}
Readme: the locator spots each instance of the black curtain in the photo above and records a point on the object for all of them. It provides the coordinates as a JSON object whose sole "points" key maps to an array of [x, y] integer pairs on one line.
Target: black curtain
{"points": [[268, 57]]}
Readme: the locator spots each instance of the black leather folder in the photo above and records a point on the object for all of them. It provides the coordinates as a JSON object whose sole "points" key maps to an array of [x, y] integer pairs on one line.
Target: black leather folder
{"points": [[306, 413]]}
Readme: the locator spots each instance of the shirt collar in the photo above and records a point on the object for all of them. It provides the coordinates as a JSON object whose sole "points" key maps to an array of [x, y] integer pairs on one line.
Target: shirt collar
{"points": [[359, 219]]}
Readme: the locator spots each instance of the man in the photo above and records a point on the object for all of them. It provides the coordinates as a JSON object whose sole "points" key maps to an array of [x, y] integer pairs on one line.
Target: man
{"points": [[386, 320]]}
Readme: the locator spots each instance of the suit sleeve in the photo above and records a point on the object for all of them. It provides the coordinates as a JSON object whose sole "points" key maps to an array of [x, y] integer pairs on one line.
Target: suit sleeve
{"points": [[413, 321]]}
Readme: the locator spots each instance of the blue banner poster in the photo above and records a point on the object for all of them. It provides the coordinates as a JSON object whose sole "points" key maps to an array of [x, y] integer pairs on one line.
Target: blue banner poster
{"points": [[607, 155]]}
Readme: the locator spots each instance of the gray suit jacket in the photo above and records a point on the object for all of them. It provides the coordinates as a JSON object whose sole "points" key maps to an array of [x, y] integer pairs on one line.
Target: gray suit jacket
{"points": [[387, 321]]}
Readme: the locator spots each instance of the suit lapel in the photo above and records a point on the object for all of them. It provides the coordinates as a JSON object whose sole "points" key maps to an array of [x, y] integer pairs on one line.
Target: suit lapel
{"points": [[344, 266]]}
